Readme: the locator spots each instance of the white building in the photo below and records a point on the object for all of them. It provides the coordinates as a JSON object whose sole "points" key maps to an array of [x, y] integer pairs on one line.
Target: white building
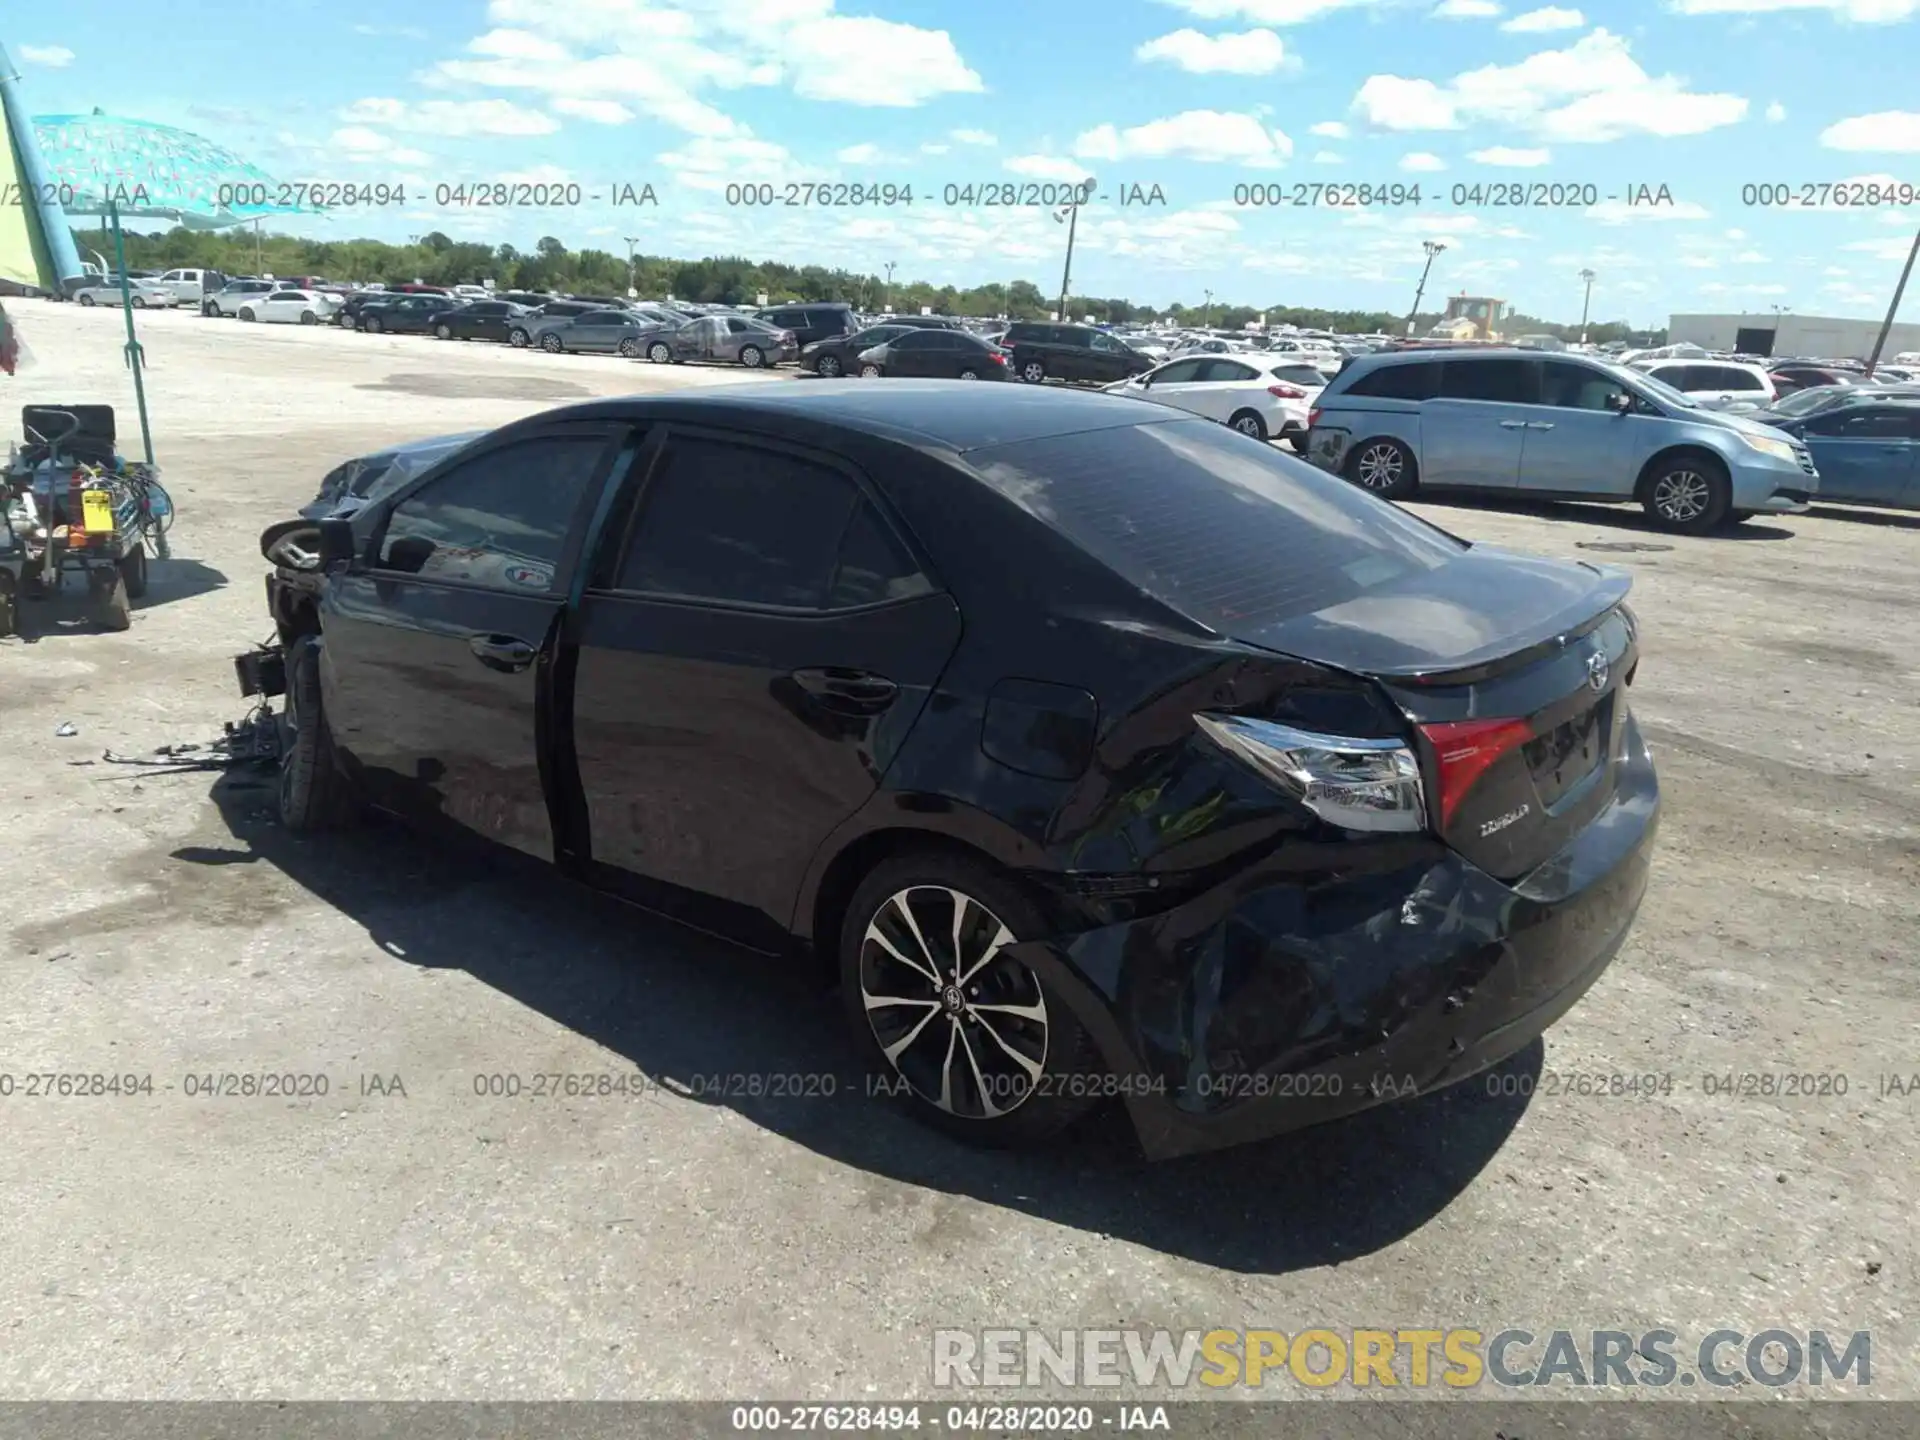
{"points": [[1812, 336]]}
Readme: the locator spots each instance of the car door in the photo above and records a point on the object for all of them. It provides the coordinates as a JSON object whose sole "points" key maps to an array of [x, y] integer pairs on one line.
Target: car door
{"points": [[439, 641], [1576, 441], [1106, 358], [1472, 433], [1168, 384], [747, 659], [699, 340], [1866, 454], [916, 354], [1221, 389], [596, 333]]}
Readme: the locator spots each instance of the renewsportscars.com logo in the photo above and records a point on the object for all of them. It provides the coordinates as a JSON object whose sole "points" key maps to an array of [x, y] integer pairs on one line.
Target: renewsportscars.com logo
{"points": [[1364, 1359]]}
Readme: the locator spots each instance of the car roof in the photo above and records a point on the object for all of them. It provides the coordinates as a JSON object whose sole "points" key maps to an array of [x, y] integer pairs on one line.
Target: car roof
{"points": [[946, 414]]}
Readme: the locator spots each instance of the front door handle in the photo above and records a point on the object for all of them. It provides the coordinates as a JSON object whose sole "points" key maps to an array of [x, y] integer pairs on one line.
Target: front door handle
{"points": [[1539, 425], [502, 652], [1513, 424], [850, 692]]}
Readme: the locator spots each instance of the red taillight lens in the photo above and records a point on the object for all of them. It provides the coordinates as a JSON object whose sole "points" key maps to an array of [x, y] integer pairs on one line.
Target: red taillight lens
{"points": [[999, 357], [1313, 415], [1286, 392], [1465, 748]]}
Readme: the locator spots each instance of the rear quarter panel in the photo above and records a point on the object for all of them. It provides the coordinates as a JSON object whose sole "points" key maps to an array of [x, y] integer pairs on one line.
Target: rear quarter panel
{"points": [[1346, 422]]}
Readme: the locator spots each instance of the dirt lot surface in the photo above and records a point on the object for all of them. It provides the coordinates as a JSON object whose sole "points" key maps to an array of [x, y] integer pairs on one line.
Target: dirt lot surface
{"points": [[436, 1244]]}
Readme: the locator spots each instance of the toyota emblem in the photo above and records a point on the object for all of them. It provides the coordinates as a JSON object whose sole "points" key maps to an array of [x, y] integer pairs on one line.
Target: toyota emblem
{"points": [[1597, 671]]}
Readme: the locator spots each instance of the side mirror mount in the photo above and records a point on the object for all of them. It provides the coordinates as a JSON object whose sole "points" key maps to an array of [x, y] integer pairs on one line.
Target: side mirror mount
{"points": [[338, 545], [1621, 403]]}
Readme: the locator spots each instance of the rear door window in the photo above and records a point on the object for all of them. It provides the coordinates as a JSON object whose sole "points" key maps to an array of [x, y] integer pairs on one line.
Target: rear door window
{"points": [[1507, 382], [1231, 534]]}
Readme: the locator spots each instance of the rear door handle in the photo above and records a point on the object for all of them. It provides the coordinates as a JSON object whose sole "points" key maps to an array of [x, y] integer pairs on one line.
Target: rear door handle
{"points": [[502, 652], [851, 692], [1539, 425], [1513, 424]]}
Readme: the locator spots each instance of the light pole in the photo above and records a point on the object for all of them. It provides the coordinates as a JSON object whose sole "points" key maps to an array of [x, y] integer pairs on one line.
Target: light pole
{"points": [[1586, 305], [1899, 290], [1206, 308], [1433, 248], [1070, 214], [886, 296], [632, 241]]}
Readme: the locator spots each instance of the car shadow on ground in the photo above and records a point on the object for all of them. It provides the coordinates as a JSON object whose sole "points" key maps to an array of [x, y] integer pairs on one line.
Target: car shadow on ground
{"points": [[1891, 519], [70, 610], [1614, 517], [690, 1012]]}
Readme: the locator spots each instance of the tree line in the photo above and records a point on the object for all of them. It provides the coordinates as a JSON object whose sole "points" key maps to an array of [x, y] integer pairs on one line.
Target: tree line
{"points": [[437, 259]]}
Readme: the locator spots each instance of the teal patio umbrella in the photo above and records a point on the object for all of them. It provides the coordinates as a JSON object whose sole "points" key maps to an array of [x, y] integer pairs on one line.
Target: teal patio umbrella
{"points": [[117, 169]]}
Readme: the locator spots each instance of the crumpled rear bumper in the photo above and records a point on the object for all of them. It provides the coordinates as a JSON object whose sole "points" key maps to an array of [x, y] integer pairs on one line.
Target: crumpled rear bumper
{"points": [[1296, 992]]}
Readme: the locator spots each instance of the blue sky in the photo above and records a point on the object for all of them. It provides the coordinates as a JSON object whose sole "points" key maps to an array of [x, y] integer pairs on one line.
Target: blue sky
{"points": [[1193, 96]]}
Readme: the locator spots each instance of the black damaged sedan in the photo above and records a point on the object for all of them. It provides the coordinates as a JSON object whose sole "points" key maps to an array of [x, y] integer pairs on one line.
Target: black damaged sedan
{"points": [[1096, 751]]}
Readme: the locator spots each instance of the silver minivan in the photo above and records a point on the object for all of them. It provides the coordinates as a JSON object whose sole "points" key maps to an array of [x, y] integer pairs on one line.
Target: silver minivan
{"points": [[1569, 427]]}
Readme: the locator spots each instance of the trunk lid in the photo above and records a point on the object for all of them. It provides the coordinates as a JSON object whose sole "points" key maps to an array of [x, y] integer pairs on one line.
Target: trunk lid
{"points": [[1514, 676]]}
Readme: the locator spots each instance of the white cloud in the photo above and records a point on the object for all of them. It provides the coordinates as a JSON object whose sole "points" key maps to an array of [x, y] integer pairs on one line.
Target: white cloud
{"points": [[1272, 12], [1327, 157], [600, 112], [1465, 10], [1593, 91], [1192, 135], [1254, 52], [708, 162], [1542, 21], [859, 155], [974, 137], [1889, 250], [1047, 167], [1507, 155], [1420, 160], [52, 57], [1619, 212], [451, 117], [1864, 12], [1776, 112], [1895, 131], [1330, 129], [663, 57], [932, 149]]}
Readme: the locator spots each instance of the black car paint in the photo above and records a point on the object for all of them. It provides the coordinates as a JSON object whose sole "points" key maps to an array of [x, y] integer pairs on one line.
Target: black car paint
{"points": [[846, 348], [411, 314], [1206, 930], [478, 320], [1068, 352]]}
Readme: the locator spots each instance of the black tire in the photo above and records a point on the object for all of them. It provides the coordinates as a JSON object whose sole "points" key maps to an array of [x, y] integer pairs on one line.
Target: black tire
{"points": [[871, 372], [829, 366], [969, 374], [630, 348], [660, 353], [370, 324], [443, 332], [139, 302], [1383, 467], [210, 310], [246, 314], [1032, 1105], [1740, 517], [551, 344], [133, 572], [9, 612], [343, 320], [753, 357], [1248, 423], [87, 300], [1033, 372], [313, 793], [1687, 495], [1298, 442], [307, 317]]}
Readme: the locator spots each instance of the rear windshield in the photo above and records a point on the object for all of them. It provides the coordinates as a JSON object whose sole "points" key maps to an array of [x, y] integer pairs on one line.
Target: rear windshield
{"points": [[1226, 530]]}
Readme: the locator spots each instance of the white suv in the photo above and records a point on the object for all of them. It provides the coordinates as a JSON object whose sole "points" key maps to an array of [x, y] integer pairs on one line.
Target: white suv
{"points": [[1715, 384]]}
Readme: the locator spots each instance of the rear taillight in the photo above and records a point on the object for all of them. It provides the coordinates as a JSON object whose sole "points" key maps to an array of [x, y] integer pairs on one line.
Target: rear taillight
{"points": [[1286, 392], [1313, 415], [1353, 783], [999, 357], [1464, 749]]}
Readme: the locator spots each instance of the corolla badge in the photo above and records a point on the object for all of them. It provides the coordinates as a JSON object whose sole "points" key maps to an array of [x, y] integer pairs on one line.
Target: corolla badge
{"points": [[1597, 670], [1493, 827]]}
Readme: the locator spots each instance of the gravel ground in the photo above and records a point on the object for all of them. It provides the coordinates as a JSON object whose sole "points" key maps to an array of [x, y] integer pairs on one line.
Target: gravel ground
{"points": [[435, 1244]]}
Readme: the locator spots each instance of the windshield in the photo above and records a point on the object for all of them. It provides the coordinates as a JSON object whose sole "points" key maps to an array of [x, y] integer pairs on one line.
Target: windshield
{"points": [[1815, 397]]}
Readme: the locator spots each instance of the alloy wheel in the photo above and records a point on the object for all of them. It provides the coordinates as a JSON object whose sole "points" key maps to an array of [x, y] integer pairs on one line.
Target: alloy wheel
{"points": [[870, 372], [445, 332], [630, 349], [962, 1022], [1379, 467], [519, 339], [827, 366], [1250, 425], [752, 357], [659, 352], [1033, 372], [969, 375], [1682, 496]]}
